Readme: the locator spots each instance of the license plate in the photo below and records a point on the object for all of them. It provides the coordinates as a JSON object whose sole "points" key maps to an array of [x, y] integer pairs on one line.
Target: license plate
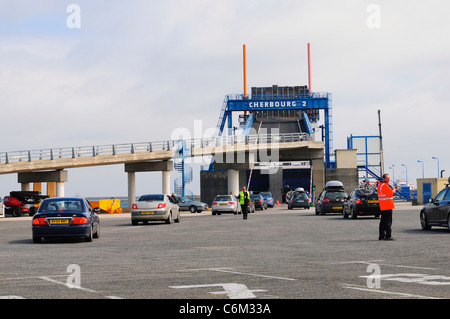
{"points": [[147, 213], [337, 207], [300, 201], [58, 221], [223, 204], [372, 201]]}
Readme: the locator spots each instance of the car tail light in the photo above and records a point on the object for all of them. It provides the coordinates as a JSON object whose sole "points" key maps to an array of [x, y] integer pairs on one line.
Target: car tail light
{"points": [[231, 203], [358, 201], [161, 205], [214, 203], [40, 221], [326, 200], [79, 221], [134, 206], [259, 201]]}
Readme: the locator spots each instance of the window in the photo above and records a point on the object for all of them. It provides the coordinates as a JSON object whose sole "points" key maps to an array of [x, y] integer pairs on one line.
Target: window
{"points": [[144, 198], [441, 195], [54, 205]]}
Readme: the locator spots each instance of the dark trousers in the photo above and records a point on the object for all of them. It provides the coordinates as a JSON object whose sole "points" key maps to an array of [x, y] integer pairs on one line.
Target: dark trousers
{"points": [[245, 210], [385, 224]]}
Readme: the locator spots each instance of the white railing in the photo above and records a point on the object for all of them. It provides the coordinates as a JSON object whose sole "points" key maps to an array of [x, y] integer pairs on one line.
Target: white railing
{"points": [[131, 148]]}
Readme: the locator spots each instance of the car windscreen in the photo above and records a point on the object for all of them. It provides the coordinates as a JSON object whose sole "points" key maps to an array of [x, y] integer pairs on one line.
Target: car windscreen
{"points": [[335, 194], [61, 205], [300, 196], [145, 198], [222, 198]]}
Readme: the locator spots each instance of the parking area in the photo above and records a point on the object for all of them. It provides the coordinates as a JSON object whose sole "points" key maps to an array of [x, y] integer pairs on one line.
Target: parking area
{"points": [[275, 254]]}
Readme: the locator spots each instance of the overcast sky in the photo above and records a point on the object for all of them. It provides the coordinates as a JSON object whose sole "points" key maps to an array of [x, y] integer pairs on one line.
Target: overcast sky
{"points": [[134, 71]]}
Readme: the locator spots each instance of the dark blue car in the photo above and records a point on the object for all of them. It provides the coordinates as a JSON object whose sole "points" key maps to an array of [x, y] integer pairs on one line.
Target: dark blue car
{"points": [[65, 217]]}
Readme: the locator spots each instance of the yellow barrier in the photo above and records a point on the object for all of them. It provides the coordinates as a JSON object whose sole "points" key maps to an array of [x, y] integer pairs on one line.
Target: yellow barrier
{"points": [[111, 206]]}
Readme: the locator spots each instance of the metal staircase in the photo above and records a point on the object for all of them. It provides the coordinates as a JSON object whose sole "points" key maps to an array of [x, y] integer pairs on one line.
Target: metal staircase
{"points": [[186, 171]]}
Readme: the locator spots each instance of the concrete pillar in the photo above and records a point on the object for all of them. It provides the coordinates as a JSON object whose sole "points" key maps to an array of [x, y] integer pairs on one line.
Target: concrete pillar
{"points": [[59, 189], [166, 182], [233, 182], [131, 188], [25, 186]]}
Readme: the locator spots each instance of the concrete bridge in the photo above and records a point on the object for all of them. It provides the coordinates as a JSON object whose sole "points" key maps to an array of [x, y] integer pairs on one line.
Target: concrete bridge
{"points": [[232, 153]]}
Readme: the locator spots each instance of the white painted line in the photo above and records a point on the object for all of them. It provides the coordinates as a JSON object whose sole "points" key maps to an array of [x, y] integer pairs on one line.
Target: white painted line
{"points": [[231, 271], [380, 264], [232, 290], [388, 292], [11, 297], [65, 284]]}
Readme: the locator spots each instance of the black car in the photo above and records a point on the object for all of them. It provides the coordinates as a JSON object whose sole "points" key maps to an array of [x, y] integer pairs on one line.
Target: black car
{"points": [[259, 201], [437, 211], [331, 199], [360, 204], [298, 199], [65, 217]]}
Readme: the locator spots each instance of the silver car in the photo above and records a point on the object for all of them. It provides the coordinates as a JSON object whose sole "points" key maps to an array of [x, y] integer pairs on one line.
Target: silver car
{"points": [[155, 207], [226, 204], [193, 206]]}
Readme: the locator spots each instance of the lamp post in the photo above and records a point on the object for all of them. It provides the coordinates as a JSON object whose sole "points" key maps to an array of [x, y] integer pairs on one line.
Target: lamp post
{"points": [[434, 157], [423, 175], [393, 172], [406, 170]]}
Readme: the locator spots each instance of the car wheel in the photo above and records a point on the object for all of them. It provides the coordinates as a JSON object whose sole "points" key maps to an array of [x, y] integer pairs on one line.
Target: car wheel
{"points": [[344, 214], [88, 238], [424, 221], [354, 214], [193, 209], [97, 232], [16, 212], [169, 219], [178, 219]]}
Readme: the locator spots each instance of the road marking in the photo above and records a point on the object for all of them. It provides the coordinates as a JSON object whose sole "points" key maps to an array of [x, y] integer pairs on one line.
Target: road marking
{"points": [[423, 279], [347, 286], [380, 264], [232, 290], [231, 271], [47, 278]]}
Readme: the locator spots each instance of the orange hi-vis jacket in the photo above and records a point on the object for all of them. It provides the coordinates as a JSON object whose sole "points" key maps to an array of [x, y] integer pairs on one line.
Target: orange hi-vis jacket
{"points": [[385, 197]]}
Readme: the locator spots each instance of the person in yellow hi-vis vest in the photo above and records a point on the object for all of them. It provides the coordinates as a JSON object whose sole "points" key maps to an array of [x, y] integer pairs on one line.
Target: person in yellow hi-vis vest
{"points": [[244, 200], [386, 200]]}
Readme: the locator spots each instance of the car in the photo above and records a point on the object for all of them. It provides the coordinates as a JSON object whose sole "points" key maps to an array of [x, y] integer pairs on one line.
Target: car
{"points": [[437, 211], [2, 208], [155, 207], [186, 204], [331, 199], [60, 217], [298, 199], [360, 204], [258, 201], [268, 197], [226, 204]]}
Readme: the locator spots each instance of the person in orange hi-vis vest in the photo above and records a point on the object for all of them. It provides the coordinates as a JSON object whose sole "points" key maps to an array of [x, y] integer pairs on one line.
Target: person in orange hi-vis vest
{"points": [[386, 200]]}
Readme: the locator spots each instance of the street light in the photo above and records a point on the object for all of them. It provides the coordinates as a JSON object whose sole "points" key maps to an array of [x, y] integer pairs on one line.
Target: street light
{"points": [[393, 172], [434, 157], [406, 170], [419, 161]]}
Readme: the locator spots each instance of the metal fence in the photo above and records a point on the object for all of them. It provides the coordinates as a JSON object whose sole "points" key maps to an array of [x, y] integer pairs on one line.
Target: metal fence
{"points": [[131, 148]]}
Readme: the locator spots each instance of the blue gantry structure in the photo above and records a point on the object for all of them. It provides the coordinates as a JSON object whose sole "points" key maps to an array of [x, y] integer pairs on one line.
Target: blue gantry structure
{"points": [[283, 103]]}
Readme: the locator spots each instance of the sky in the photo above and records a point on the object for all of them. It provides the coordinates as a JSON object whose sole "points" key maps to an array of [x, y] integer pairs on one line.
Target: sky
{"points": [[90, 72]]}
